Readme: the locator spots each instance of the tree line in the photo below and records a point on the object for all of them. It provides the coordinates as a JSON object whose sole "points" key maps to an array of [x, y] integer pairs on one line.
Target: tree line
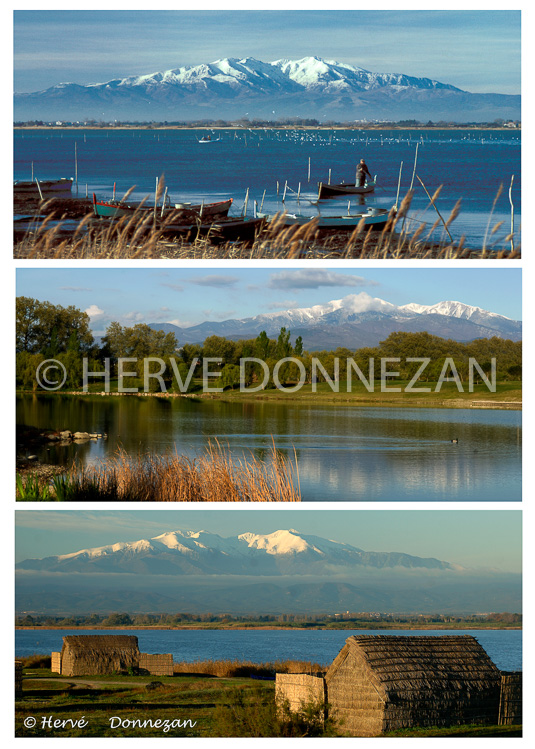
{"points": [[47, 331]]}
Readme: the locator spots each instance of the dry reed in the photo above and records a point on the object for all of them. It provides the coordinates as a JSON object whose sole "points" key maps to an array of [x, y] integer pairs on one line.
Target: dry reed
{"points": [[214, 476], [231, 668], [142, 236]]}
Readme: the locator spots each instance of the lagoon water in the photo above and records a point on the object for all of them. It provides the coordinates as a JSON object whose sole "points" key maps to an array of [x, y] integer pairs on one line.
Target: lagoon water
{"points": [[469, 164], [259, 646], [344, 453]]}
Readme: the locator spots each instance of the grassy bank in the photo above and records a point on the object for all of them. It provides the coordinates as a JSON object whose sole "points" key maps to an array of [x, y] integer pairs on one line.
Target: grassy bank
{"points": [[508, 394]]}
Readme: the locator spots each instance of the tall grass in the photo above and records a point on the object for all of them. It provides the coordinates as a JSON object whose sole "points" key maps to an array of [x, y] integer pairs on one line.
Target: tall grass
{"points": [[214, 476], [144, 236], [229, 669]]}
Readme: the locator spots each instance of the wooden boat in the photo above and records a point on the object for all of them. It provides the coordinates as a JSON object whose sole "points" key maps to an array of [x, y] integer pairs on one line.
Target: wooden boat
{"points": [[47, 186], [117, 209], [220, 231], [341, 189], [375, 218]]}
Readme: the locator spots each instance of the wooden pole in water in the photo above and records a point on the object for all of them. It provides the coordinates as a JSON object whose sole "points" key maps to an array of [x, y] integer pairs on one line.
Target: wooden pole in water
{"points": [[309, 168], [76, 166], [298, 192], [329, 182], [39, 188], [113, 195], [263, 196], [277, 188], [32, 171], [414, 170], [399, 184], [512, 212], [284, 193], [164, 199], [245, 204]]}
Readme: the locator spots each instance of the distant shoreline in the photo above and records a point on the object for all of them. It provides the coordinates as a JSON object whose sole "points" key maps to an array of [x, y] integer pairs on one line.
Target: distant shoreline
{"points": [[239, 128], [267, 627]]}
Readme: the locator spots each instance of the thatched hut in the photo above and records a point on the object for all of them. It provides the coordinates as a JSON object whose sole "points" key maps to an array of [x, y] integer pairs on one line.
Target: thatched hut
{"points": [[511, 699], [98, 654], [383, 683]]}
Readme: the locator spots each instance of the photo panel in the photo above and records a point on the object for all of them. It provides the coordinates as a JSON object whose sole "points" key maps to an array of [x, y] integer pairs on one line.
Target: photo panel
{"points": [[269, 384], [274, 623]]}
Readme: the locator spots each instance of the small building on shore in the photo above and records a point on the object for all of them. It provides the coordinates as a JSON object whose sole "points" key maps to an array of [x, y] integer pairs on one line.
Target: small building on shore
{"points": [[383, 683], [88, 655]]}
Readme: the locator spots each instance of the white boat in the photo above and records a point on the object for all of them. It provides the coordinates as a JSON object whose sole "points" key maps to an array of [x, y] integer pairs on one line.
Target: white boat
{"points": [[372, 217]]}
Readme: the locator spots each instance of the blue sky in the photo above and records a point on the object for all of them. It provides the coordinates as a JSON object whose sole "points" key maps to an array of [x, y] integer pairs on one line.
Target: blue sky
{"points": [[476, 539], [475, 50], [187, 296]]}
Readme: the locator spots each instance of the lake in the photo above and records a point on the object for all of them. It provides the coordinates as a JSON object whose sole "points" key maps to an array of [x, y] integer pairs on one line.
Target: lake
{"points": [[470, 165], [259, 646], [344, 452]]}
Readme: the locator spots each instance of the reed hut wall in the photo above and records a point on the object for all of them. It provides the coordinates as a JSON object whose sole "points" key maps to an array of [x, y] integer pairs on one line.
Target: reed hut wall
{"points": [[383, 683], [299, 689], [157, 664], [55, 662], [510, 699], [82, 655]]}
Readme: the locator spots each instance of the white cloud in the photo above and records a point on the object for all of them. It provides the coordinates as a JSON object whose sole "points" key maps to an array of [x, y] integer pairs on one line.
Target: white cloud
{"points": [[94, 311]]}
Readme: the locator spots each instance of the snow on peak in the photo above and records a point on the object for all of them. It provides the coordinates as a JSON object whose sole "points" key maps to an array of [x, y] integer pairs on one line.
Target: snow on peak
{"points": [[279, 542], [450, 309]]}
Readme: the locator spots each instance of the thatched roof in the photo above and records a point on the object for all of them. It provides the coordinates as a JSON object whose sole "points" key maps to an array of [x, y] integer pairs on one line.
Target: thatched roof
{"points": [[402, 666], [95, 645]]}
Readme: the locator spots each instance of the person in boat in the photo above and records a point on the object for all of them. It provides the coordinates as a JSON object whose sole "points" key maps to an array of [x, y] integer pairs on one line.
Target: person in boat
{"points": [[362, 173]]}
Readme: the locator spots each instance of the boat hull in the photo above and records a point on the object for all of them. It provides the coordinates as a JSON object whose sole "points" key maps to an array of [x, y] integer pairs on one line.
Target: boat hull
{"points": [[218, 231], [375, 219], [335, 191], [60, 186], [116, 209]]}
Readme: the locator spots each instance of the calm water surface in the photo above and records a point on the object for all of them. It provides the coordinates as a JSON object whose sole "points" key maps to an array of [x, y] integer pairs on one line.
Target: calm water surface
{"points": [[470, 165], [319, 646], [343, 453]]}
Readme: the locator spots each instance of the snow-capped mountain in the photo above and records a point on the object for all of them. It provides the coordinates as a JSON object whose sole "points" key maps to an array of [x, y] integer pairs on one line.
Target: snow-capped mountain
{"points": [[284, 552], [358, 320], [310, 87]]}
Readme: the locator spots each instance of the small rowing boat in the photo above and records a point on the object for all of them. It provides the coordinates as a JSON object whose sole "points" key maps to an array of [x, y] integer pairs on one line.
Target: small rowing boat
{"points": [[341, 189], [375, 218], [229, 229], [117, 209], [46, 186]]}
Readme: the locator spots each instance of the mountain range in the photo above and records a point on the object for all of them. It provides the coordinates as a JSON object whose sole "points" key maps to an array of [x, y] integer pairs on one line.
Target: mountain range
{"points": [[251, 573], [284, 552], [234, 88], [357, 320]]}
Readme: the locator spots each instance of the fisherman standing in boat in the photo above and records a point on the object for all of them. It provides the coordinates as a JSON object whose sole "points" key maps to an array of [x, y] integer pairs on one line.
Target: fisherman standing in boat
{"points": [[362, 173]]}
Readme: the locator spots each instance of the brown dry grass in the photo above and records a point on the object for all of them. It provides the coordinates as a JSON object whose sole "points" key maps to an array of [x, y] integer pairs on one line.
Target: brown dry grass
{"points": [[214, 476], [228, 668], [142, 236]]}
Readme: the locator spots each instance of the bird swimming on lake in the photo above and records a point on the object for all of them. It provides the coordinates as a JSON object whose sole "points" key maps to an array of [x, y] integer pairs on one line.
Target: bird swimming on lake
{"points": [[455, 441]]}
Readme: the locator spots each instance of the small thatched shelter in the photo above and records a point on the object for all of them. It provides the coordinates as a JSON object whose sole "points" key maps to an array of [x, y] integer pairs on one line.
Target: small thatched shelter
{"points": [[383, 683], [98, 654]]}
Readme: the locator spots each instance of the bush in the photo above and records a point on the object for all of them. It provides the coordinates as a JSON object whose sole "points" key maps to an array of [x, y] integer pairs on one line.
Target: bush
{"points": [[254, 713]]}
